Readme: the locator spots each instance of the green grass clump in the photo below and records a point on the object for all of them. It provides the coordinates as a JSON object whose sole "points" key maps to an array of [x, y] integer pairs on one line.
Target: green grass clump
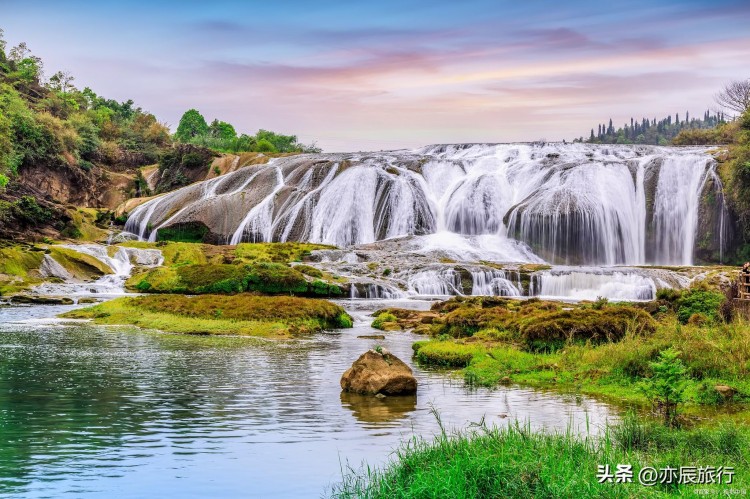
{"points": [[447, 353], [541, 325], [517, 462], [308, 270], [382, 319], [277, 252], [260, 277], [242, 314]]}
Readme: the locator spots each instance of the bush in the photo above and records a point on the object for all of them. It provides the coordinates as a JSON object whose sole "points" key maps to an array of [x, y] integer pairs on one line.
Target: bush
{"points": [[261, 277], [698, 301], [28, 211], [667, 385]]}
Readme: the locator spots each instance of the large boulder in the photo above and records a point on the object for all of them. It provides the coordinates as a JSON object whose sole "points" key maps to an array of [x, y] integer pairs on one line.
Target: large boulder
{"points": [[379, 372]]}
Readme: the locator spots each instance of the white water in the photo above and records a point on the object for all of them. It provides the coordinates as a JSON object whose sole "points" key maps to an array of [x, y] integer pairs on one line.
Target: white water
{"points": [[493, 283], [121, 264], [591, 284], [574, 204], [435, 283]]}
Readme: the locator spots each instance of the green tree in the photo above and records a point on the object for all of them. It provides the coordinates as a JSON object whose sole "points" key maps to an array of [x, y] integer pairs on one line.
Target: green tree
{"points": [[222, 130], [667, 385], [264, 145], [192, 124]]}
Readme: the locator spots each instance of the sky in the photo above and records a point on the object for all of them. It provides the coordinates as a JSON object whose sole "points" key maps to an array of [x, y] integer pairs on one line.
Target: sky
{"points": [[360, 76]]}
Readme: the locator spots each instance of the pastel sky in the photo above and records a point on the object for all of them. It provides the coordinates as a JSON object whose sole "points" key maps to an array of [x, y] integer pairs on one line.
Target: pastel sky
{"points": [[355, 75]]}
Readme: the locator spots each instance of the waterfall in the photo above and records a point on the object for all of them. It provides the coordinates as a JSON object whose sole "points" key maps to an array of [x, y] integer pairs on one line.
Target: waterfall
{"points": [[493, 283], [574, 204], [591, 284], [441, 282]]}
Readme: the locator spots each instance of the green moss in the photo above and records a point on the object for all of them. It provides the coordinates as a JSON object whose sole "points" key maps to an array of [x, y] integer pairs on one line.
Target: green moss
{"points": [[261, 277], [17, 268], [186, 233], [383, 319], [219, 314], [308, 270], [80, 265], [277, 252]]}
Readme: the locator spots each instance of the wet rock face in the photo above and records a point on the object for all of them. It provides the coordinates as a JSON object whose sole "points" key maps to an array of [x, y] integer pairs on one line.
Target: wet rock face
{"points": [[379, 373]]}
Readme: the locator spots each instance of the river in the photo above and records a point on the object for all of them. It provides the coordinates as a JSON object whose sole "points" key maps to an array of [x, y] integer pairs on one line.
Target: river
{"points": [[99, 411]]}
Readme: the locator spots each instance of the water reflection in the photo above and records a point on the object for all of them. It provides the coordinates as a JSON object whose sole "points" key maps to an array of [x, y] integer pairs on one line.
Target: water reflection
{"points": [[98, 411], [371, 409]]}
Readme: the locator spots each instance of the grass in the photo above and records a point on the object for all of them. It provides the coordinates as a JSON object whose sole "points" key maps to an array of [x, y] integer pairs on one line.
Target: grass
{"points": [[517, 462], [243, 314], [487, 339]]}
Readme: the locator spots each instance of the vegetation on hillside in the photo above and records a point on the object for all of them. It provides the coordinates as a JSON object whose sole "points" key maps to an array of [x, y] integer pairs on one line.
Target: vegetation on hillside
{"points": [[222, 136], [651, 131], [49, 124]]}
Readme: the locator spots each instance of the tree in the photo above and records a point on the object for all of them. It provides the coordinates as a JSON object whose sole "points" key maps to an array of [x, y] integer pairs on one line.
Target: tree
{"points": [[735, 96], [667, 385], [61, 81], [222, 130], [192, 124]]}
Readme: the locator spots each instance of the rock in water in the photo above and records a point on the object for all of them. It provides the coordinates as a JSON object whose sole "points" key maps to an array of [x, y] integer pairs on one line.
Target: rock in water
{"points": [[379, 372]]}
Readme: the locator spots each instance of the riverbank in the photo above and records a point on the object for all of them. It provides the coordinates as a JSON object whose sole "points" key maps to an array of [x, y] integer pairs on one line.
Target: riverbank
{"points": [[241, 314], [597, 349], [515, 461]]}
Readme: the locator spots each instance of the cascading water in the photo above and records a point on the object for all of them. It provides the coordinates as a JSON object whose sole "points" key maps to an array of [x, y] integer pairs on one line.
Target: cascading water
{"points": [[493, 283], [441, 282], [591, 284], [121, 264], [576, 204]]}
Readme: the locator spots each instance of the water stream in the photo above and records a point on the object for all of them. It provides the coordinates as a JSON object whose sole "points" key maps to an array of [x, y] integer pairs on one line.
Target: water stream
{"points": [[109, 411]]}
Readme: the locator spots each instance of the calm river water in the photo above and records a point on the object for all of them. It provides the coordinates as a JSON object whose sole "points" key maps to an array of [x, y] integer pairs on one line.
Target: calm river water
{"points": [[116, 412]]}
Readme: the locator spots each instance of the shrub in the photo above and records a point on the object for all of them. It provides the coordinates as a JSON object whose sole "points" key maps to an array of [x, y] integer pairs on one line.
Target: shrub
{"points": [[699, 301], [667, 385], [552, 331], [28, 211]]}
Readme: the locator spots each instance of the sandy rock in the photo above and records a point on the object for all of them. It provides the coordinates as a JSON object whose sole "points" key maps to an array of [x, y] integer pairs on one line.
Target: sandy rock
{"points": [[379, 372]]}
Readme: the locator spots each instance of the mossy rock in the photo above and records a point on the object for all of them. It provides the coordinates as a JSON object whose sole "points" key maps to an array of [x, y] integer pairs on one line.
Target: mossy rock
{"points": [[79, 265], [261, 277]]}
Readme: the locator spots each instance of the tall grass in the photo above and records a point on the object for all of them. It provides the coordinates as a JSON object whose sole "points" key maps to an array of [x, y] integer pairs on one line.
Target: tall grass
{"points": [[516, 462]]}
